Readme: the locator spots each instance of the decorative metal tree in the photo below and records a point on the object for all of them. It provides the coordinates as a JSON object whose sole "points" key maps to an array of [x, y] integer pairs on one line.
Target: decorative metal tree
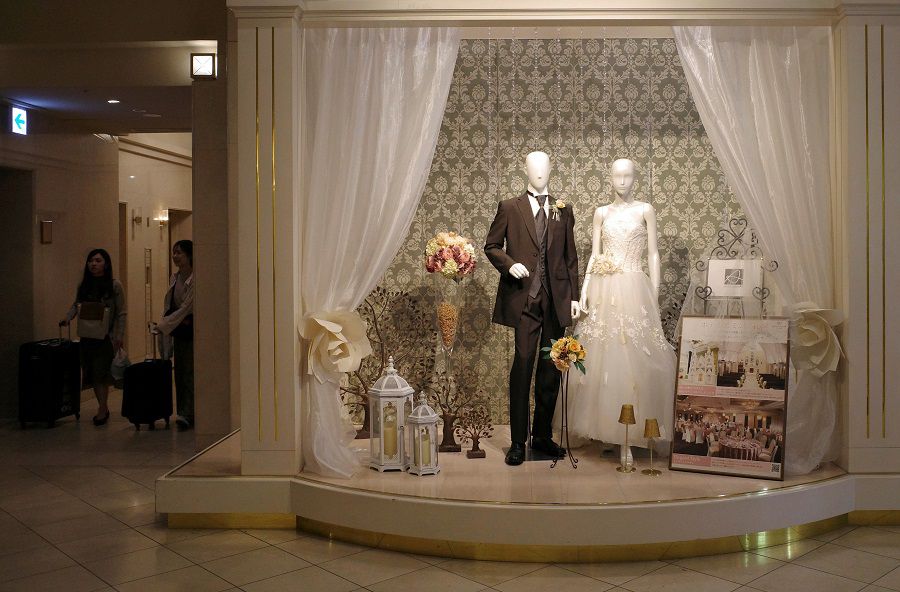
{"points": [[475, 424], [453, 394], [398, 326]]}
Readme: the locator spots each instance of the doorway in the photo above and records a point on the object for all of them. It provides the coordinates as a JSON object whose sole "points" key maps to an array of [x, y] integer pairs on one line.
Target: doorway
{"points": [[17, 239], [123, 245], [180, 228]]}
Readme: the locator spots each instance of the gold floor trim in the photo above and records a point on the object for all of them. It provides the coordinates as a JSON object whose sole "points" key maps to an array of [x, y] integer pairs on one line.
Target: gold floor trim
{"points": [[537, 553], [571, 554], [231, 520], [873, 517]]}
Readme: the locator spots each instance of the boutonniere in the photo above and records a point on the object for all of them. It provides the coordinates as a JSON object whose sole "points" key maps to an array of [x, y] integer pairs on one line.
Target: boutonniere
{"points": [[555, 208]]}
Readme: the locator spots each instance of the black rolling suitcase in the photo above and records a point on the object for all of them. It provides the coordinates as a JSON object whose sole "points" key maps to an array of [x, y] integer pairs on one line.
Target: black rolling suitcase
{"points": [[49, 380], [148, 391]]}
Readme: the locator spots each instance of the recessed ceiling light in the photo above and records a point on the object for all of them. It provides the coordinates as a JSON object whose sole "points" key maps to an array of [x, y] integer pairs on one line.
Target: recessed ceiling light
{"points": [[138, 110], [131, 176], [151, 114], [113, 101]]}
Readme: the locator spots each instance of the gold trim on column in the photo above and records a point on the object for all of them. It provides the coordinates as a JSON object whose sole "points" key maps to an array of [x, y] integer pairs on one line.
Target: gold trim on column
{"points": [[571, 553], [883, 265], [274, 292], [868, 258], [258, 315]]}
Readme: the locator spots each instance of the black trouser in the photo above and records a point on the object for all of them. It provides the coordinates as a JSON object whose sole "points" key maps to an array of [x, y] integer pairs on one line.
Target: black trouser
{"points": [[538, 325]]}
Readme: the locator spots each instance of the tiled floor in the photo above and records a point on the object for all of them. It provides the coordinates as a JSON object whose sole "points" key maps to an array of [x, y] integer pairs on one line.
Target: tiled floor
{"points": [[77, 514]]}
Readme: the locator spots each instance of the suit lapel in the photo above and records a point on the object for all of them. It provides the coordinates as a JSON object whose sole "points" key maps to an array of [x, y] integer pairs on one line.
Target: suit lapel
{"points": [[527, 217]]}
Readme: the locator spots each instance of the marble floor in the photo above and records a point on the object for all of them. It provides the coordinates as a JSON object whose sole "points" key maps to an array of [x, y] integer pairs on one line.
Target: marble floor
{"points": [[77, 514]]}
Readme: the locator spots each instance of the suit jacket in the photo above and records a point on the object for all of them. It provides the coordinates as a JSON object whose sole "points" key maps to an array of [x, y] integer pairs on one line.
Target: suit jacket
{"points": [[513, 226]]}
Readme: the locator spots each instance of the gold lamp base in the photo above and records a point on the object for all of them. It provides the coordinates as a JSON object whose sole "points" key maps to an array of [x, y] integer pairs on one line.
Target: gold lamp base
{"points": [[652, 472], [625, 469]]}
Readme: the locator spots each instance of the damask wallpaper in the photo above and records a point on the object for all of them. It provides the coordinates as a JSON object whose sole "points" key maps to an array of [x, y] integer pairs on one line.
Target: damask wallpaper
{"points": [[585, 103]]}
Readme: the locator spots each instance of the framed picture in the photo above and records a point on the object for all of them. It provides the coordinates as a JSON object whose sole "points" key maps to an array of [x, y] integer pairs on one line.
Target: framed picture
{"points": [[734, 278], [731, 397]]}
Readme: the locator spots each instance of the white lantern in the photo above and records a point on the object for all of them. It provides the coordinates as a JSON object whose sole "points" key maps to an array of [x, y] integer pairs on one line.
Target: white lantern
{"points": [[422, 439], [390, 401]]}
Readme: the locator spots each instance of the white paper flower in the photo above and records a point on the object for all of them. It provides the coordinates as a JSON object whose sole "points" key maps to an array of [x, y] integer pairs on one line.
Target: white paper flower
{"points": [[814, 344], [337, 343]]}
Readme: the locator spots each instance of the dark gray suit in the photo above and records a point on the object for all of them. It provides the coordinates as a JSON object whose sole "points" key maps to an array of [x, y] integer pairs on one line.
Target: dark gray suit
{"points": [[512, 239]]}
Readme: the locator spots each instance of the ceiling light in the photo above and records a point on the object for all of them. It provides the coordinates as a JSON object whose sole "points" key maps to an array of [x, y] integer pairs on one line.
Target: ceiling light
{"points": [[113, 101], [151, 115], [138, 110], [131, 176], [203, 66]]}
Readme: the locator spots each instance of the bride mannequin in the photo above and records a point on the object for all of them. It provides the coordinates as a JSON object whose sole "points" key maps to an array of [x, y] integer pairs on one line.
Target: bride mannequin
{"points": [[629, 360], [622, 176]]}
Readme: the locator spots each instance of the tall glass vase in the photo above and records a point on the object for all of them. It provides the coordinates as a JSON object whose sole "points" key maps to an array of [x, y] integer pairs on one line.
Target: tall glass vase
{"points": [[448, 305]]}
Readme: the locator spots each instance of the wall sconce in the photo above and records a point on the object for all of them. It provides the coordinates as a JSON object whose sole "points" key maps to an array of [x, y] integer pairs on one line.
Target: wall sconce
{"points": [[203, 66], [162, 217], [137, 216]]}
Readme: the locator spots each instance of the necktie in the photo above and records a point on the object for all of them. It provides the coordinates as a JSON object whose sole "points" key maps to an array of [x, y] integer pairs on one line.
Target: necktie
{"points": [[540, 219]]}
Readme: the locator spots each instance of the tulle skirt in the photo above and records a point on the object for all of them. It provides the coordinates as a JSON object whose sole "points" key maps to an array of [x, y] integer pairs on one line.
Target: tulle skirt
{"points": [[628, 361]]}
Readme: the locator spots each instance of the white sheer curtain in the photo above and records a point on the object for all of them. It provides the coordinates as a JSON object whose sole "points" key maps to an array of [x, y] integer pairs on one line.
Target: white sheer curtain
{"points": [[763, 96], [373, 104]]}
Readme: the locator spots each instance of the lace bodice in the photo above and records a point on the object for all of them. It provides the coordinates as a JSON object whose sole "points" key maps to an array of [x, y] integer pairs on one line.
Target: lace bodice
{"points": [[624, 237]]}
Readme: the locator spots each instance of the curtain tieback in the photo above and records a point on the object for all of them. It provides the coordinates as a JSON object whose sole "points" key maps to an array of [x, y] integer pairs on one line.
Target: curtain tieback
{"points": [[814, 344], [337, 343]]}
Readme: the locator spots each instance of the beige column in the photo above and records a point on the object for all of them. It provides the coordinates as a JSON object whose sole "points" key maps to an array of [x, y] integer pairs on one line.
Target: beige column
{"points": [[210, 234], [267, 281], [867, 199]]}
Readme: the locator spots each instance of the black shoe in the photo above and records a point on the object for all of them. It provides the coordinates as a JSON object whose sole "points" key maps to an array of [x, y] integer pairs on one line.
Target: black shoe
{"points": [[548, 446], [516, 454], [99, 421]]}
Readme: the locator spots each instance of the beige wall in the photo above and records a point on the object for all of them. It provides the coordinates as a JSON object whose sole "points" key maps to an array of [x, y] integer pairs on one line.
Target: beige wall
{"points": [[75, 186], [154, 174]]}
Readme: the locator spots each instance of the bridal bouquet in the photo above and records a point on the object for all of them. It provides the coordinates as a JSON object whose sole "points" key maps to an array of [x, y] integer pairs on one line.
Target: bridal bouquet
{"points": [[566, 352], [451, 255], [605, 265]]}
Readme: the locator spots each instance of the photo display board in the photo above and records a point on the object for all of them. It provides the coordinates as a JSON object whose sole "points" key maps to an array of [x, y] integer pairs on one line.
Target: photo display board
{"points": [[731, 397]]}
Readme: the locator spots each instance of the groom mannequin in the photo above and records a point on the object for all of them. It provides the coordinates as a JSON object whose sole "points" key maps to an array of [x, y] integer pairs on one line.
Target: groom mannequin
{"points": [[537, 296]]}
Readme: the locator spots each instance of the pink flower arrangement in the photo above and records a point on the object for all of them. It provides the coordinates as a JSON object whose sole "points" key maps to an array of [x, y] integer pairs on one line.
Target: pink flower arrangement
{"points": [[451, 255]]}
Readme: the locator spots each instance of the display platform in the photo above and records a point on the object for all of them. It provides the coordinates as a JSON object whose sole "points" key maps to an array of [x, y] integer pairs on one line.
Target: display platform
{"points": [[483, 509]]}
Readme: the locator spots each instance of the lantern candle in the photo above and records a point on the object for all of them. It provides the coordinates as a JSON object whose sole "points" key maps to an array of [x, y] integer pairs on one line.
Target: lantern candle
{"points": [[390, 431], [426, 444]]}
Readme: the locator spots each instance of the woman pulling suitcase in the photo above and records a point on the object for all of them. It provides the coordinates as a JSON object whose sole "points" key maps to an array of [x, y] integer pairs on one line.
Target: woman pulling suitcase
{"points": [[100, 308], [177, 331]]}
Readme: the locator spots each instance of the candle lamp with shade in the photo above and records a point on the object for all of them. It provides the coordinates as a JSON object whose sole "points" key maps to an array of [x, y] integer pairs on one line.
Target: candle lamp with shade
{"points": [[651, 431], [626, 418]]}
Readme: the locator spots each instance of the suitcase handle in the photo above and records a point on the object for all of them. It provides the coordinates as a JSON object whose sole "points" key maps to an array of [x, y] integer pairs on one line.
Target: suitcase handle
{"points": [[154, 335]]}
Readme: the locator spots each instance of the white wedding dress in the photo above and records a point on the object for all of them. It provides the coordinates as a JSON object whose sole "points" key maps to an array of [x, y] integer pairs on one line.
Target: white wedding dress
{"points": [[628, 358]]}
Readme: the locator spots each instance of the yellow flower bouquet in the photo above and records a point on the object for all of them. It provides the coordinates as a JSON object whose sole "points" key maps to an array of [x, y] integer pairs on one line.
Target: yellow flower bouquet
{"points": [[566, 352]]}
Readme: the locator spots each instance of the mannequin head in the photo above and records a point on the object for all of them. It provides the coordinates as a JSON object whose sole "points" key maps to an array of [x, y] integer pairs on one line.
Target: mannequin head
{"points": [[622, 177], [537, 167]]}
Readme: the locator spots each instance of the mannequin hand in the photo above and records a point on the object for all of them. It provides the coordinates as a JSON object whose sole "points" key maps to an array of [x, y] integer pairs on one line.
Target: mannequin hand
{"points": [[518, 271], [576, 309], [583, 303]]}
